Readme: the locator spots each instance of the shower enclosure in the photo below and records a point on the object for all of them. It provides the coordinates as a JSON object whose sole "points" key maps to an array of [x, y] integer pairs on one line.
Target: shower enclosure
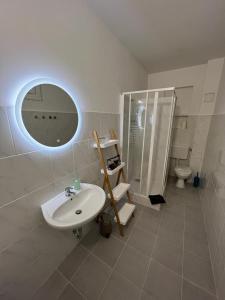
{"points": [[146, 129]]}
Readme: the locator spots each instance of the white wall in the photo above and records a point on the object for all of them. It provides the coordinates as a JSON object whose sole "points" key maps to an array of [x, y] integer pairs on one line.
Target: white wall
{"points": [[66, 41], [191, 76], [213, 193], [220, 103], [205, 81]]}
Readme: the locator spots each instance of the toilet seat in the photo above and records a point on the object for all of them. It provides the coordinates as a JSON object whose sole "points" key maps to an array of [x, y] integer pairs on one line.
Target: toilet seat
{"points": [[183, 171], [182, 174]]}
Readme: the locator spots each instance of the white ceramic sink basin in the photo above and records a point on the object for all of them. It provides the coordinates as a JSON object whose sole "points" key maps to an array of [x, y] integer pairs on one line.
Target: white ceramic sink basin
{"points": [[63, 212]]}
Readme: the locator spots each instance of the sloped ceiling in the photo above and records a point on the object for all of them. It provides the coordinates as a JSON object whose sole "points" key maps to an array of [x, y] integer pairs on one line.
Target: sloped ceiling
{"points": [[166, 34]]}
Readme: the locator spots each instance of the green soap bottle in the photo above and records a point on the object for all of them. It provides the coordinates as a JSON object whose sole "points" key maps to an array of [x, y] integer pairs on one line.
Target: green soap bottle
{"points": [[76, 184]]}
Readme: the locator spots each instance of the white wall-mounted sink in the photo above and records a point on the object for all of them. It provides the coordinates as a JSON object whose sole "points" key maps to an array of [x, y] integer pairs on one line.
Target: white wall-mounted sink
{"points": [[62, 212]]}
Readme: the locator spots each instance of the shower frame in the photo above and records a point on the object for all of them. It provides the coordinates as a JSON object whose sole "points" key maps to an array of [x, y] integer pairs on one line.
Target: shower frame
{"points": [[153, 133]]}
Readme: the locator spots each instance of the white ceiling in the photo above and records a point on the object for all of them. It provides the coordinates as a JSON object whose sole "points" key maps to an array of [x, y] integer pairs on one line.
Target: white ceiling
{"points": [[167, 34]]}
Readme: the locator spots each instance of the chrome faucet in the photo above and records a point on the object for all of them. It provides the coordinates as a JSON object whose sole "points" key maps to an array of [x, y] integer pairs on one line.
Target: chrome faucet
{"points": [[68, 191]]}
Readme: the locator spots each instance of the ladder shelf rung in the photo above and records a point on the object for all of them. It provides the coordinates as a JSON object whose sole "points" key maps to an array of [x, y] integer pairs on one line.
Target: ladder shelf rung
{"points": [[114, 171], [125, 213], [106, 144], [120, 190]]}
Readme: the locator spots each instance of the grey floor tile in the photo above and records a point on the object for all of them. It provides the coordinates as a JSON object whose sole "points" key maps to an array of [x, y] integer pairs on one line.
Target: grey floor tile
{"points": [[198, 271], [176, 211], [127, 230], [169, 254], [120, 288], [177, 214], [176, 236], [154, 214], [149, 221], [108, 250], [196, 229], [91, 277], [194, 203], [196, 246], [52, 288], [73, 261], [162, 283], [172, 223], [191, 292], [90, 240], [142, 240], [138, 210], [173, 198], [69, 293], [133, 265], [193, 215], [146, 296]]}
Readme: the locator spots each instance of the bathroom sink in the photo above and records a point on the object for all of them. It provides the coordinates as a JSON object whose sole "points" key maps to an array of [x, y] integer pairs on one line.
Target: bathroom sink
{"points": [[65, 212]]}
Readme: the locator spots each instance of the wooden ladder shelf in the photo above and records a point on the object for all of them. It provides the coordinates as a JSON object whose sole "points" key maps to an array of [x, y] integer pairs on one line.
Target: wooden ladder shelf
{"points": [[122, 187]]}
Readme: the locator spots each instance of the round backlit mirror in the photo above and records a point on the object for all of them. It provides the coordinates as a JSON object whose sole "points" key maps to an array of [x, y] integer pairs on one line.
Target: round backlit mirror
{"points": [[49, 115]]}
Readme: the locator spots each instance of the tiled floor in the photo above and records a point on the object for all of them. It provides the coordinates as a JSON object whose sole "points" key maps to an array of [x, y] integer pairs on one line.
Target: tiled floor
{"points": [[163, 256]]}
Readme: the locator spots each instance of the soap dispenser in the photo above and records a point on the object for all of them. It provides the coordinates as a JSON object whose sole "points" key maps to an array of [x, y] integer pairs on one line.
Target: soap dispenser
{"points": [[76, 184]]}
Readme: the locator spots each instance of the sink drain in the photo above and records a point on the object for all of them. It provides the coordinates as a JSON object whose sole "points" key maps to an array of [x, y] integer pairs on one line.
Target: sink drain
{"points": [[78, 212]]}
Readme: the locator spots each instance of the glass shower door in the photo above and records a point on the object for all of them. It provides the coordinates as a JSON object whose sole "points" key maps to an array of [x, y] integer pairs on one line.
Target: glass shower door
{"points": [[146, 150], [163, 115], [147, 125], [133, 137]]}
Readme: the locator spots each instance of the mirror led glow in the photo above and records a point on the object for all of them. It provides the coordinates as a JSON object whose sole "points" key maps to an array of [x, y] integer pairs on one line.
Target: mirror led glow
{"points": [[19, 120]]}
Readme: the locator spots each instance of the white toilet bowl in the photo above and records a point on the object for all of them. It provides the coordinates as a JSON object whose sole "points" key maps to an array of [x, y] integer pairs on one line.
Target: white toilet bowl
{"points": [[182, 174]]}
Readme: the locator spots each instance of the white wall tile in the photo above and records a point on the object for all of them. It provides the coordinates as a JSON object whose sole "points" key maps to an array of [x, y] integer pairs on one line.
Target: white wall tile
{"points": [[62, 162], [90, 122], [6, 142], [213, 206], [22, 174], [28, 179], [21, 143]]}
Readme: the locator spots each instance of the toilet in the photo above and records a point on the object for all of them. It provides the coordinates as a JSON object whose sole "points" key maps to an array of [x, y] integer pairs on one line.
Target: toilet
{"points": [[182, 172]]}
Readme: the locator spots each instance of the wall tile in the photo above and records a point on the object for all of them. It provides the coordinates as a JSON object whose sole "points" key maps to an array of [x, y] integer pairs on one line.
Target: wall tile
{"points": [[22, 174], [83, 154], [108, 122], [22, 144], [90, 174], [26, 181], [213, 200], [90, 122], [6, 144], [62, 162]]}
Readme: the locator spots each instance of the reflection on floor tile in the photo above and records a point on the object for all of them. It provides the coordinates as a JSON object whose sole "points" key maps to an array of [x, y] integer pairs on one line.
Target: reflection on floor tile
{"points": [[164, 255]]}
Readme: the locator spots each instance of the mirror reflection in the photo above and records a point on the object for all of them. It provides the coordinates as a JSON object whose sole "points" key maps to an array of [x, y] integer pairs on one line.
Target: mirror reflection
{"points": [[49, 115]]}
